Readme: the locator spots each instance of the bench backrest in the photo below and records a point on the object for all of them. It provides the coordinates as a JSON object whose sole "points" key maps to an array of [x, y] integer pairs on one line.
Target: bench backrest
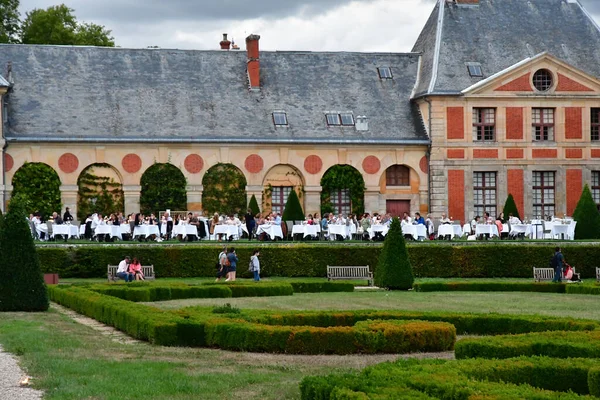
{"points": [[598, 273], [547, 273], [348, 271], [147, 270]]}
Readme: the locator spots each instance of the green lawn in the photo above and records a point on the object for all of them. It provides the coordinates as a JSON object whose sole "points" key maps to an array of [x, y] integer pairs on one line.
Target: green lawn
{"points": [[72, 361]]}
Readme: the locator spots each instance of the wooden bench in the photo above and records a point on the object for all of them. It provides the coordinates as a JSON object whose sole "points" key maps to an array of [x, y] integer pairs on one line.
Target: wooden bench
{"points": [[349, 272], [147, 270], [547, 274], [597, 274]]}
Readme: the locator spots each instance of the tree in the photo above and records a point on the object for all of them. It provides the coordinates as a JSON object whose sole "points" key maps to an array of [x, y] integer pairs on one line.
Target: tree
{"points": [[293, 209], [253, 205], [394, 271], [58, 25], [587, 216], [224, 189], [163, 188], [22, 286], [510, 207], [38, 185], [9, 21]]}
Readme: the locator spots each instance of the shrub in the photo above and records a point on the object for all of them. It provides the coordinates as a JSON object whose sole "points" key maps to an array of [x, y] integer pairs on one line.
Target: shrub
{"points": [[594, 381], [320, 287], [226, 309], [510, 207], [552, 344], [293, 209], [253, 205], [224, 189], [587, 216], [490, 287], [582, 289], [163, 188], [22, 286], [37, 186], [394, 271], [148, 293]]}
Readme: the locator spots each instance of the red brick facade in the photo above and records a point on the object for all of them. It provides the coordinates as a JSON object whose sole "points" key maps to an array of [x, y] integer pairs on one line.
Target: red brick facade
{"points": [[455, 117], [544, 153], [595, 153], [456, 194], [514, 153], [485, 153], [455, 153], [574, 189], [522, 84], [573, 122], [566, 84], [514, 123], [515, 187], [574, 153]]}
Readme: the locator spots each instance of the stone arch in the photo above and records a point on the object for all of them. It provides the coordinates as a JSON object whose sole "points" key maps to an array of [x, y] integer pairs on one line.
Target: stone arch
{"points": [[277, 184], [38, 186], [224, 189], [163, 187], [343, 190], [99, 189]]}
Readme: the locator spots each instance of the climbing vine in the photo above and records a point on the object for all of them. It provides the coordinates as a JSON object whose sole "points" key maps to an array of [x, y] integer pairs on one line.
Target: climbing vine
{"points": [[224, 189], [98, 194], [163, 187], [340, 177], [38, 186]]}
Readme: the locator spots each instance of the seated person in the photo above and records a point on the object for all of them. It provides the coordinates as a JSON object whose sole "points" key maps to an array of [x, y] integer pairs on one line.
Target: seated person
{"points": [[135, 268], [419, 220], [445, 220], [513, 220]]}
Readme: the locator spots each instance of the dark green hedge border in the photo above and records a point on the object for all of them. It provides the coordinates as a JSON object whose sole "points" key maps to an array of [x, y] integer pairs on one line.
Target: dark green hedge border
{"points": [[304, 260], [521, 378]]}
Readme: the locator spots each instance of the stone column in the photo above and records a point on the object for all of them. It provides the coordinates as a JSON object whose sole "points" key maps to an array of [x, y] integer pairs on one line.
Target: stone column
{"points": [[312, 199], [68, 198], [132, 198], [257, 191], [373, 203], [194, 198]]}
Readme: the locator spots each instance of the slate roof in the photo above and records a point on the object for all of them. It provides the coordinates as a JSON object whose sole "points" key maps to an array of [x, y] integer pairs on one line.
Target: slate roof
{"points": [[63, 93], [500, 33]]}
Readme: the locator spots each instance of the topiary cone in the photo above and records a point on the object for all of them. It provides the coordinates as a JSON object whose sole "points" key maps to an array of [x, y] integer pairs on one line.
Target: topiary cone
{"points": [[394, 270]]}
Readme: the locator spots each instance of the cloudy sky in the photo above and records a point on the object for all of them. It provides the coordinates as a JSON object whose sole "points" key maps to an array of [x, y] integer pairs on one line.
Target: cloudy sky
{"points": [[318, 25]]}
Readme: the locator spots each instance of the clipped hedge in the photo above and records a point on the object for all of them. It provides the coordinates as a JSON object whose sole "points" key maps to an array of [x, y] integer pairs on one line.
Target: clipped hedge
{"points": [[552, 344], [162, 292], [489, 287], [305, 260], [594, 381], [583, 289], [320, 287], [524, 378]]}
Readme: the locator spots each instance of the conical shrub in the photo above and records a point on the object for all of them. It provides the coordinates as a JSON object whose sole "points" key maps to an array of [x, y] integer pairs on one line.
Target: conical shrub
{"points": [[253, 205], [293, 209], [510, 207], [394, 271], [22, 286], [587, 216]]}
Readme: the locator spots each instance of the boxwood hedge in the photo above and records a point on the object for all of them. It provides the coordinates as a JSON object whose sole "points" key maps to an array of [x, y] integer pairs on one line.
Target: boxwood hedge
{"points": [[428, 260]]}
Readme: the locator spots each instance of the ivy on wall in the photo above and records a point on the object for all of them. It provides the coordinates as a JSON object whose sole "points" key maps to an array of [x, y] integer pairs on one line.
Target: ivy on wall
{"points": [[340, 177], [96, 193], [38, 187], [224, 189], [163, 187]]}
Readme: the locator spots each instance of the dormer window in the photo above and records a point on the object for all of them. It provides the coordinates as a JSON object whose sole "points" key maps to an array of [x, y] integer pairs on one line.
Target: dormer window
{"points": [[333, 119], [347, 119], [339, 119], [475, 70], [385, 72], [280, 118]]}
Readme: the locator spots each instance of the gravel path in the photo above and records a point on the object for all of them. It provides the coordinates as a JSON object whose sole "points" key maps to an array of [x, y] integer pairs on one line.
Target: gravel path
{"points": [[10, 376]]}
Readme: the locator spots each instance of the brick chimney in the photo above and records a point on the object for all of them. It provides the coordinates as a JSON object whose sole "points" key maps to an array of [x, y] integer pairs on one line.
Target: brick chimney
{"points": [[253, 62], [225, 43]]}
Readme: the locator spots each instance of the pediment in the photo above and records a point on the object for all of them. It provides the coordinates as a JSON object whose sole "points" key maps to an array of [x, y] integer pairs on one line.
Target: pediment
{"points": [[543, 75]]}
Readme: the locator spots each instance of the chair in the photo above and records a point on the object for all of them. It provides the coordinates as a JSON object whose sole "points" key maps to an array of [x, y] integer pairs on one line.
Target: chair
{"points": [[49, 233], [290, 227], [546, 231], [34, 233], [571, 230]]}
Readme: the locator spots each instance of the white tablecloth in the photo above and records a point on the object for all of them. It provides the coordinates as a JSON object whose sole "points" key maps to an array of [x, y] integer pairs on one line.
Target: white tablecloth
{"points": [[70, 230], [485, 229], [415, 231], [520, 228], [184, 230], [272, 230], [378, 228], [448, 229], [229, 230], [339, 230], [306, 230], [146, 230], [112, 230], [558, 230]]}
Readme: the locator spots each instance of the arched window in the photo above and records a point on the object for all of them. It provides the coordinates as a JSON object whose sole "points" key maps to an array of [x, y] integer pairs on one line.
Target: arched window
{"points": [[397, 175]]}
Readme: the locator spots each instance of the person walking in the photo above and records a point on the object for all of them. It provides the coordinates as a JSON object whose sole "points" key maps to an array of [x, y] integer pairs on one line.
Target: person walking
{"points": [[250, 223], [557, 263], [222, 268], [233, 260], [255, 265]]}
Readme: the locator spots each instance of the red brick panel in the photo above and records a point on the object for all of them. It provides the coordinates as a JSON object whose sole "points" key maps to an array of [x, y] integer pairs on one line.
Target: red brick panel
{"points": [[522, 84], [455, 120], [455, 153], [595, 153], [574, 189], [514, 153], [515, 187], [371, 164], [566, 84], [68, 163], [544, 153], [514, 123], [131, 163], [254, 163], [574, 153], [8, 162], [573, 122], [193, 163], [424, 165], [313, 164], [456, 194], [485, 153]]}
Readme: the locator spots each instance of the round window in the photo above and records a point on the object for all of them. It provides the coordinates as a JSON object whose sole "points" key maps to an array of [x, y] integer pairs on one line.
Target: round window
{"points": [[542, 80]]}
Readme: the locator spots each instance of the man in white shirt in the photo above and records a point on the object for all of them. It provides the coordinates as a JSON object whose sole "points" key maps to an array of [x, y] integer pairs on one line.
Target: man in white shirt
{"points": [[123, 270], [513, 220], [277, 219], [445, 220]]}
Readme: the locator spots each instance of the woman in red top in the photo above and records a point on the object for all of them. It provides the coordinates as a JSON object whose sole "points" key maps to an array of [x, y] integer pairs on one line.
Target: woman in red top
{"points": [[135, 268]]}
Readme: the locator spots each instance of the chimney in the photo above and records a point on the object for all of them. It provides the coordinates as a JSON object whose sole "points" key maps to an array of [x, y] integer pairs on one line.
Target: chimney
{"points": [[225, 43], [253, 62]]}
